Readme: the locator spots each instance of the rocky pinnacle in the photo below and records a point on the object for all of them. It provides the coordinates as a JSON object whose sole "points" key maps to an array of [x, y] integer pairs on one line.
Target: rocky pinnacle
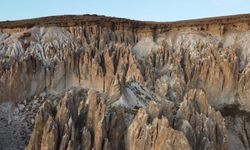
{"points": [[96, 82]]}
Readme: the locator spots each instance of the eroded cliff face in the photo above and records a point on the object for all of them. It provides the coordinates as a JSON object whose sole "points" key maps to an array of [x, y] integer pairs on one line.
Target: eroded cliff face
{"points": [[107, 83]]}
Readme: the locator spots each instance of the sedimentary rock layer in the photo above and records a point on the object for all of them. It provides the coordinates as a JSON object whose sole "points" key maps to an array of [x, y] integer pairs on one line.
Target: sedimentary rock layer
{"points": [[111, 83]]}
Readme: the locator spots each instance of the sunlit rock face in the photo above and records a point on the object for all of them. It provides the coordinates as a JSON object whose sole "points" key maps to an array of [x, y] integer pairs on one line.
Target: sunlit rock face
{"points": [[91, 82]]}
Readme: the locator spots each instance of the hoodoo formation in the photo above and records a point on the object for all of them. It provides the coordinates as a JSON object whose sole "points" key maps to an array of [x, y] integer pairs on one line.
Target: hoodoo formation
{"points": [[95, 82]]}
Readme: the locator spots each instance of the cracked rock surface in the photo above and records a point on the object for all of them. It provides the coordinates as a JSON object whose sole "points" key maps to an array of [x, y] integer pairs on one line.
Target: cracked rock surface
{"points": [[94, 82]]}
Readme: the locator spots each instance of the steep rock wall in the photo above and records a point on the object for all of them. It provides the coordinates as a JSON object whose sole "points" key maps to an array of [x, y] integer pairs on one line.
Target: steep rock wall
{"points": [[196, 65]]}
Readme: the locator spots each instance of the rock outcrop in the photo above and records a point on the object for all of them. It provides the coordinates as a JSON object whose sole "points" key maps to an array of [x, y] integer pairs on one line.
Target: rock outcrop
{"points": [[83, 120], [93, 82]]}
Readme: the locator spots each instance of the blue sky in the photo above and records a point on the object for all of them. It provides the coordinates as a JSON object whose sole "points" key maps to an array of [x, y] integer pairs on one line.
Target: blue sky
{"points": [[155, 10]]}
